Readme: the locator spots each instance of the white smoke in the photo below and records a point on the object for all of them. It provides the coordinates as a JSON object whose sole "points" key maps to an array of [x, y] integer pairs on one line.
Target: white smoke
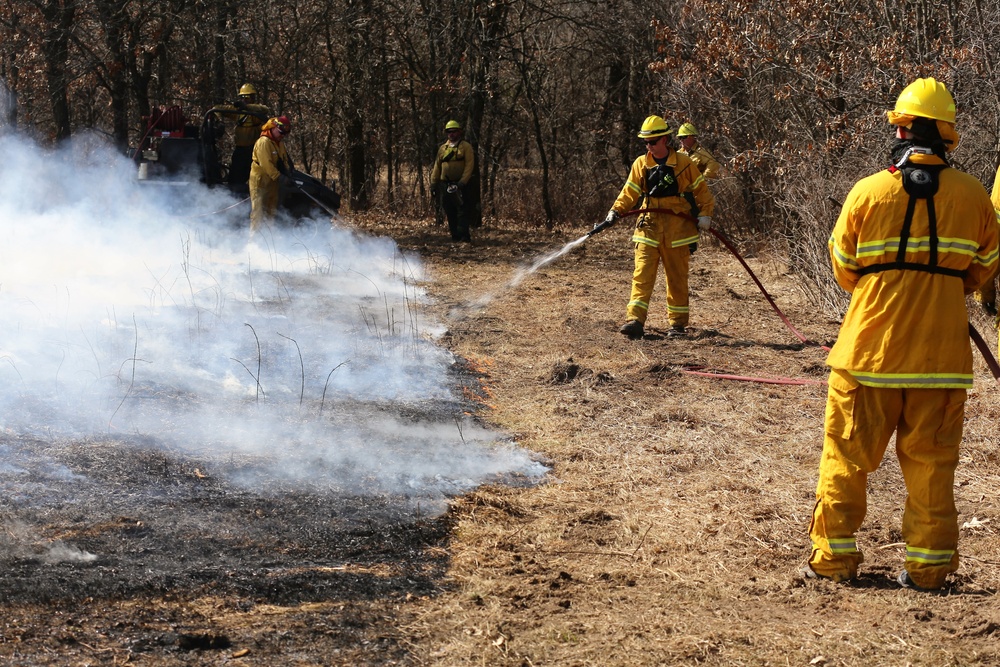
{"points": [[141, 312]]}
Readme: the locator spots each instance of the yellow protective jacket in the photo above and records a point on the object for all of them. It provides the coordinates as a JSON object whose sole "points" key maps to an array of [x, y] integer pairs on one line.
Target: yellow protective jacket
{"points": [[707, 165], [454, 164], [907, 327], [679, 229], [247, 125], [267, 153]]}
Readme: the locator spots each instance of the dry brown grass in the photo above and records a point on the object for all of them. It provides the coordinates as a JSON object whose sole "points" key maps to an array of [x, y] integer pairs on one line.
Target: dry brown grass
{"points": [[675, 518]]}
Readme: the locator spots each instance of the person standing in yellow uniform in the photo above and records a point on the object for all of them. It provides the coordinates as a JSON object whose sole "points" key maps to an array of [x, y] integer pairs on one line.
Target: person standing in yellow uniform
{"points": [[269, 168], [250, 118], [910, 243], [452, 170], [706, 163], [660, 179], [708, 166]]}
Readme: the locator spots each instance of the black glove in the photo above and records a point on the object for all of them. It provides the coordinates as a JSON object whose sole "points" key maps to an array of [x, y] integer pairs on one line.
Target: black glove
{"points": [[452, 188], [240, 104], [284, 180], [434, 192]]}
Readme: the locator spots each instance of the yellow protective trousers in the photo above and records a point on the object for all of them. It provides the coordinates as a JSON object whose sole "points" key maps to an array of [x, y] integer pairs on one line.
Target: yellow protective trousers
{"points": [[860, 420], [651, 249], [263, 202]]}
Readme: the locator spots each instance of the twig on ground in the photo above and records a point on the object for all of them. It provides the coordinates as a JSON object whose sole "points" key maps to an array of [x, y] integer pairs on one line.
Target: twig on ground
{"points": [[327, 384], [302, 368]]}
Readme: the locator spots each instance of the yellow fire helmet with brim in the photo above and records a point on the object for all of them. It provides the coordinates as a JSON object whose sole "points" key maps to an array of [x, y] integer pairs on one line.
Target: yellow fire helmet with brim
{"points": [[653, 127]]}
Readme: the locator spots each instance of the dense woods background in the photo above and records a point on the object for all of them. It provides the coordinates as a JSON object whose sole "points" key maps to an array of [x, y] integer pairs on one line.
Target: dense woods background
{"points": [[789, 96]]}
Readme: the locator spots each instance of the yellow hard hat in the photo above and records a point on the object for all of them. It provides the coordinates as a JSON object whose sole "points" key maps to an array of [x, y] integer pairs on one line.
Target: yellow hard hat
{"points": [[452, 125], [687, 130], [652, 127], [247, 89], [926, 98]]}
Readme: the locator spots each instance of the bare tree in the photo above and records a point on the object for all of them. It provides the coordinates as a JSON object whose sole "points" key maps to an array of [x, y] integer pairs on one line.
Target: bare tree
{"points": [[788, 95]]}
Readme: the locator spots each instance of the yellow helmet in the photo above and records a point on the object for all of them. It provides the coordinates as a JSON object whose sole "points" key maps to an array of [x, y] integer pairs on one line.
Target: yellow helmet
{"points": [[926, 98], [247, 89], [452, 125], [687, 130], [652, 127]]}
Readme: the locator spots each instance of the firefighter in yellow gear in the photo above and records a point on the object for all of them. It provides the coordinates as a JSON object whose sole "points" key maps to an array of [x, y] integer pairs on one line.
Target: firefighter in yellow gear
{"points": [[270, 167], [660, 179], [910, 243], [453, 167], [986, 295], [709, 167], [249, 117]]}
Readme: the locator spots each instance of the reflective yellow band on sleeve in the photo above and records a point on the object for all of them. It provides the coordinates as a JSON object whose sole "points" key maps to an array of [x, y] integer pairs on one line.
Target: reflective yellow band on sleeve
{"points": [[846, 260], [988, 260]]}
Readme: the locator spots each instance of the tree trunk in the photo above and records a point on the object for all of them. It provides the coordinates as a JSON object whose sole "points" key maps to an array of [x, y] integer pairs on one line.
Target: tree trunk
{"points": [[359, 21], [389, 130], [59, 16]]}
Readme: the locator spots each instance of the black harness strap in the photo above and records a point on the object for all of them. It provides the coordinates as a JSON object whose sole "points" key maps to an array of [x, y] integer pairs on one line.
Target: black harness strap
{"points": [[919, 183], [910, 266]]}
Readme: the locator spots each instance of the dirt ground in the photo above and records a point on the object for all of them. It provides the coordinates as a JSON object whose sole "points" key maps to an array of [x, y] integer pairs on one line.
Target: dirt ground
{"points": [[670, 530]]}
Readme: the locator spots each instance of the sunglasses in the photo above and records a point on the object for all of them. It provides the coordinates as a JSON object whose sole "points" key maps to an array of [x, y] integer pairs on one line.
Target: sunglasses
{"points": [[653, 142], [281, 129]]}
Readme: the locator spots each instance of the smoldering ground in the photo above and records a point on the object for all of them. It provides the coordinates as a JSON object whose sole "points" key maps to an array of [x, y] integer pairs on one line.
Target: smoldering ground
{"points": [[176, 400]]}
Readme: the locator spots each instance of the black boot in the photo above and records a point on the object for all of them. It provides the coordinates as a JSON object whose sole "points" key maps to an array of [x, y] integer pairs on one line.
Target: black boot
{"points": [[632, 329]]}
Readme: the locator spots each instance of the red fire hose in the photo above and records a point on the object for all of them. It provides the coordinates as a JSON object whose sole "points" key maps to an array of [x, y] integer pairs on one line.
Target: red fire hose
{"points": [[984, 350], [704, 371]]}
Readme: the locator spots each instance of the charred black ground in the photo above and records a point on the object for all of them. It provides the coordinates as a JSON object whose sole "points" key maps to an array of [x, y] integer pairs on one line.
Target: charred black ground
{"points": [[102, 528]]}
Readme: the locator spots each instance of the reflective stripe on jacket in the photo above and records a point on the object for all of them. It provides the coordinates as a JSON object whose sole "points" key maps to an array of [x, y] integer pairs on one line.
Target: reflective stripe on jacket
{"points": [[905, 327]]}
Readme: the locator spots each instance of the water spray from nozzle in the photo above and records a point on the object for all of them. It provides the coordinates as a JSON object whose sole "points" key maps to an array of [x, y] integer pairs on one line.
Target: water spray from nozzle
{"points": [[473, 308]]}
